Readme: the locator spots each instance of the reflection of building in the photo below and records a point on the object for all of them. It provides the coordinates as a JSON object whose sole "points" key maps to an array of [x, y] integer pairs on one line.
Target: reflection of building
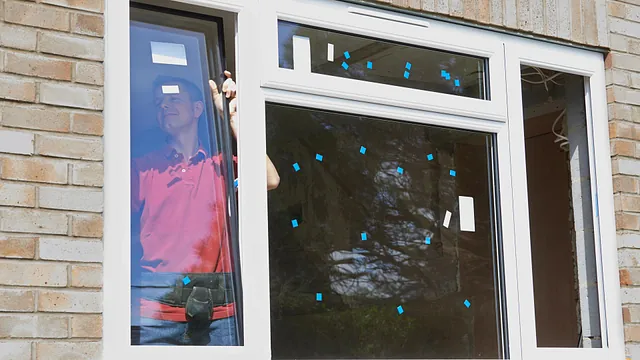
{"points": [[54, 199]]}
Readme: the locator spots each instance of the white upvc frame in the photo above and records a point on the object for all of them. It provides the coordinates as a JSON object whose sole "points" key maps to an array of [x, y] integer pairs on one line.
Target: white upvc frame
{"points": [[252, 198], [340, 16], [590, 65], [260, 80]]}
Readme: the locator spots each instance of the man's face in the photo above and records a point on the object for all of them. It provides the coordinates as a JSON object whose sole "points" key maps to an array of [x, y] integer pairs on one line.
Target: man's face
{"points": [[176, 112]]}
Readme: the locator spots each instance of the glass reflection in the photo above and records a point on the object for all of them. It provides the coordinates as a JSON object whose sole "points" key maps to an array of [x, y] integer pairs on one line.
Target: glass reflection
{"points": [[361, 58], [363, 262], [185, 287]]}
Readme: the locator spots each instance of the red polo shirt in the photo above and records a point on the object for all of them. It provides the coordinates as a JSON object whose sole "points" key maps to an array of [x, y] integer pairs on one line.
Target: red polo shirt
{"points": [[183, 225]]}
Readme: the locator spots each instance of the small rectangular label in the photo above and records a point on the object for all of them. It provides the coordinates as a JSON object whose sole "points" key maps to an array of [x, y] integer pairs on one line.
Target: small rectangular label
{"points": [[170, 89], [467, 214], [447, 219], [168, 53], [330, 52], [301, 54]]}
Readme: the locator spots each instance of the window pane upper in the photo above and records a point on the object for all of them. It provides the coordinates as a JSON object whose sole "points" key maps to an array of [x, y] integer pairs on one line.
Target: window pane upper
{"points": [[382, 239], [356, 57]]}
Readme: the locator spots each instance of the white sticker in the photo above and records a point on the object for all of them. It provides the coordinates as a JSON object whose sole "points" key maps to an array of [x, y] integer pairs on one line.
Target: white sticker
{"points": [[467, 214], [330, 52], [447, 218], [301, 54], [170, 89], [168, 53]]}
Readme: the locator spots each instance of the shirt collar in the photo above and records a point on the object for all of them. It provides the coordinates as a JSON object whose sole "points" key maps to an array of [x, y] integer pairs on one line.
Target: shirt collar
{"points": [[171, 154]]}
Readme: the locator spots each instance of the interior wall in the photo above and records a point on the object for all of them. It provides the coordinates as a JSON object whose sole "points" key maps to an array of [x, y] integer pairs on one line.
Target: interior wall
{"points": [[555, 295]]}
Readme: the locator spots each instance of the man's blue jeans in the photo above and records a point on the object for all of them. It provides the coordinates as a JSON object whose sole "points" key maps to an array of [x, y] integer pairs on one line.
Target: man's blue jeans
{"points": [[213, 333]]}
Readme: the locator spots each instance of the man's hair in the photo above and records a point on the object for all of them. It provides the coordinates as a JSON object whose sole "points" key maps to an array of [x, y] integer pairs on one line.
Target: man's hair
{"points": [[185, 85]]}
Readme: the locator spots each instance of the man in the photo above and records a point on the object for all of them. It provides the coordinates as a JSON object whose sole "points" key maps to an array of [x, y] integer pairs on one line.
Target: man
{"points": [[183, 287]]}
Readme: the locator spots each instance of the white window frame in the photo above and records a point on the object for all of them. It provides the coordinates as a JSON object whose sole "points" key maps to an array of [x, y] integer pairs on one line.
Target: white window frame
{"points": [[338, 16], [260, 80], [590, 65]]}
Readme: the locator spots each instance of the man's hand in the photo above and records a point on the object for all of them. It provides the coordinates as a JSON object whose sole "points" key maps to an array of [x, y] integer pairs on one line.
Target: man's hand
{"points": [[229, 91]]}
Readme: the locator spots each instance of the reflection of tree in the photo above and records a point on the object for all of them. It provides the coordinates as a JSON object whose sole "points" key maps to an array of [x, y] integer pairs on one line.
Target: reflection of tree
{"points": [[363, 281]]}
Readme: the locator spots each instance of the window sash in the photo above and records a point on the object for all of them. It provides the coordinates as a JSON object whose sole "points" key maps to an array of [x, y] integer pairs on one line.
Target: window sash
{"points": [[342, 17], [589, 65]]}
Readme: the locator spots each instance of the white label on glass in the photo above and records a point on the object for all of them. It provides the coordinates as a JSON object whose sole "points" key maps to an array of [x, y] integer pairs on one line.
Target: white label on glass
{"points": [[447, 218], [467, 214], [330, 52], [168, 53], [301, 54], [170, 89]]}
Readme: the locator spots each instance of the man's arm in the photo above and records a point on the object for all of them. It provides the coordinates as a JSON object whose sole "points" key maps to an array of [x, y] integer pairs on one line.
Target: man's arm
{"points": [[229, 89]]}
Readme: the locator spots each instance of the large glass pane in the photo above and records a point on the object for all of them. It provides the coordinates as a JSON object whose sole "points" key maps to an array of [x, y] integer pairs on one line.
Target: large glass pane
{"points": [[561, 222], [185, 283], [361, 58], [382, 239]]}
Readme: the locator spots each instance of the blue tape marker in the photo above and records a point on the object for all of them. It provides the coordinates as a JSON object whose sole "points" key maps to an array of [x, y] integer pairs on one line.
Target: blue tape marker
{"points": [[319, 157], [427, 240], [294, 223], [467, 304], [408, 66], [452, 172], [400, 310], [296, 167], [235, 183], [369, 65], [430, 157], [346, 55], [456, 82], [406, 74], [345, 65], [318, 296], [400, 170], [186, 280], [443, 73], [363, 236], [363, 150]]}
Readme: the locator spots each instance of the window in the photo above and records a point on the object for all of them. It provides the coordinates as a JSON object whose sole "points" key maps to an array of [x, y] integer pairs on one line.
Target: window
{"points": [[406, 216]]}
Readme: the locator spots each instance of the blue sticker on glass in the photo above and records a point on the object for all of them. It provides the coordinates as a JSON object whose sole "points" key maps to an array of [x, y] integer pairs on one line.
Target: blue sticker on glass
{"points": [[456, 82], [363, 236], [400, 170], [408, 66], [467, 304], [406, 74], [430, 157], [294, 223], [369, 65], [319, 157], [296, 167], [235, 183], [345, 65], [186, 280], [400, 310], [427, 240], [452, 172], [346, 55], [363, 150], [318, 296]]}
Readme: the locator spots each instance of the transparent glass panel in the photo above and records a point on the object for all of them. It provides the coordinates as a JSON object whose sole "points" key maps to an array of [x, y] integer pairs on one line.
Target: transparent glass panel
{"points": [[382, 239], [362, 58], [185, 283], [561, 221]]}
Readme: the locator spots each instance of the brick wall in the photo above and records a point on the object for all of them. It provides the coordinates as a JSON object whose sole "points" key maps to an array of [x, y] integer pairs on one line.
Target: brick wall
{"points": [[579, 21], [51, 97], [623, 92]]}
